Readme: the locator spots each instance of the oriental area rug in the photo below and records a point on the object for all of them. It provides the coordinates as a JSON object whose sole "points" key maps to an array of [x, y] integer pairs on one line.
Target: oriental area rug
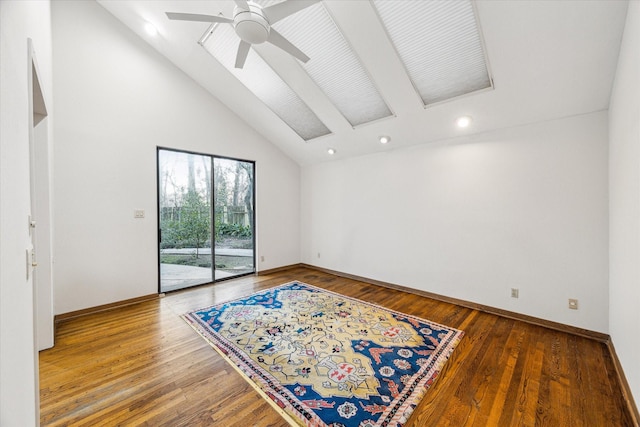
{"points": [[325, 359]]}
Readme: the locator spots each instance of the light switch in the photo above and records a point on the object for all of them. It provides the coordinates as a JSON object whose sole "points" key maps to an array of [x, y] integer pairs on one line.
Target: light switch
{"points": [[138, 213]]}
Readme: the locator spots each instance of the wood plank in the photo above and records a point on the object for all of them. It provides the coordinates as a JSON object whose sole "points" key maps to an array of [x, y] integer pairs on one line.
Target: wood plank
{"points": [[142, 365]]}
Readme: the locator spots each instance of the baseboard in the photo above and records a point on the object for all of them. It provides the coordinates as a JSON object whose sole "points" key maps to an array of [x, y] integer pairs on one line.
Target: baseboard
{"points": [[58, 318], [278, 269], [598, 336], [624, 385]]}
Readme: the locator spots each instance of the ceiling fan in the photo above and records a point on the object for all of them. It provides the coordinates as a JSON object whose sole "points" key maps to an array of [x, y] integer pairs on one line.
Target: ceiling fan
{"points": [[252, 23]]}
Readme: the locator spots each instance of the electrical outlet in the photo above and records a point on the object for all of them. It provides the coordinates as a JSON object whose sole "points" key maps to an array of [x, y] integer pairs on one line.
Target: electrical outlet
{"points": [[138, 213], [262, 259], [573, 304], [515, 293], [318, 254]]}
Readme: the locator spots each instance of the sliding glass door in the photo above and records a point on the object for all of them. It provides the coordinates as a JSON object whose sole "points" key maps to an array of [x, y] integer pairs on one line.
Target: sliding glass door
{"points": [[234, 242], [206, 218]]}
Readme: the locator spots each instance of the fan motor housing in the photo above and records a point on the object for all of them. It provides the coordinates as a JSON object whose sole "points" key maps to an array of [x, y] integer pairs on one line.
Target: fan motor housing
{"points": [[251, 25]]}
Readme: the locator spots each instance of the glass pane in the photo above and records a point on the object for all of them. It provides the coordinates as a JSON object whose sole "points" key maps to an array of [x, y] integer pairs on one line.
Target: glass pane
{"points": [[184, 182], [234, 217]]}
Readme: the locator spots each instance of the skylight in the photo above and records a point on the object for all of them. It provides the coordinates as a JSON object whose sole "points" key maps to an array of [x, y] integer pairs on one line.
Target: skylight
{"points": [[222, 43], [333, 65], [440, 45]]}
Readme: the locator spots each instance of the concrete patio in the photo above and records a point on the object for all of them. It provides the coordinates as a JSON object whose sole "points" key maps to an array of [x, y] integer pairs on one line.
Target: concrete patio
{"points": [[176, 276]]}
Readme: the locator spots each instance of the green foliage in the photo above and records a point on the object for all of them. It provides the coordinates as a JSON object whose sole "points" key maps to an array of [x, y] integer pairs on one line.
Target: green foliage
{"points": [[192, 229], [233, 230], [189, 259], [189, 226], [169, 235]]}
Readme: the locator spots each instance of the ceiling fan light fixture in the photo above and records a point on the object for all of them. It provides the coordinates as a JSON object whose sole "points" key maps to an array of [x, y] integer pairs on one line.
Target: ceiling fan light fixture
{"points": [[463, 121], [251, 25], [384, 139]]}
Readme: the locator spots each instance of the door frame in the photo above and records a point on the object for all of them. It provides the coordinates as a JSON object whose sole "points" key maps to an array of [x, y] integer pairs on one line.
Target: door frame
{"points": [[212, 202], [41, 281], [40, 209]]}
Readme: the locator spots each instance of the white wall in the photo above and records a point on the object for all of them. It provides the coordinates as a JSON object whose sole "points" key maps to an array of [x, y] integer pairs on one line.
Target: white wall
{"points": [[522, 207], [19, 20], [624, 204], [117, 99]]}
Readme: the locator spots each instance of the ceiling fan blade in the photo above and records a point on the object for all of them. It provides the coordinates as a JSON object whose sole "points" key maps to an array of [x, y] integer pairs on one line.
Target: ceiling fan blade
{"points": [[277, 39], [243, 51], [279, 11], [197, 17], [242, 3]]}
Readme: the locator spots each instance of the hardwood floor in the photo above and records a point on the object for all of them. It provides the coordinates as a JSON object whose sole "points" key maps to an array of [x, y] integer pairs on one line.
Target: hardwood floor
{"points": [[142, 365]]}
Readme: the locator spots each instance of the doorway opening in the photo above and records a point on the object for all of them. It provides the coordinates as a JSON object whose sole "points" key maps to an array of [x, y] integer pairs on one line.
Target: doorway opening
{"points": [[38, 257], [206, 218]]}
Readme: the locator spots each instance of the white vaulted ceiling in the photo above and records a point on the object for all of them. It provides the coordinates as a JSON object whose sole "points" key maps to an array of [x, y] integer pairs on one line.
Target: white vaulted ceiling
{"points": [[546, 60]]}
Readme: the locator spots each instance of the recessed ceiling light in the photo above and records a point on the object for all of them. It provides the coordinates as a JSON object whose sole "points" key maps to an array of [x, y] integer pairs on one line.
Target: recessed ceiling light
{"points": [[150, 29], [384, 139], [331, 151], [463, 121]]}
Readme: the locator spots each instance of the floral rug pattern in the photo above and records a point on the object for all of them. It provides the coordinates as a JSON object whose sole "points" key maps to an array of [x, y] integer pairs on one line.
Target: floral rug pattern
{"points": [[326, 359]]}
